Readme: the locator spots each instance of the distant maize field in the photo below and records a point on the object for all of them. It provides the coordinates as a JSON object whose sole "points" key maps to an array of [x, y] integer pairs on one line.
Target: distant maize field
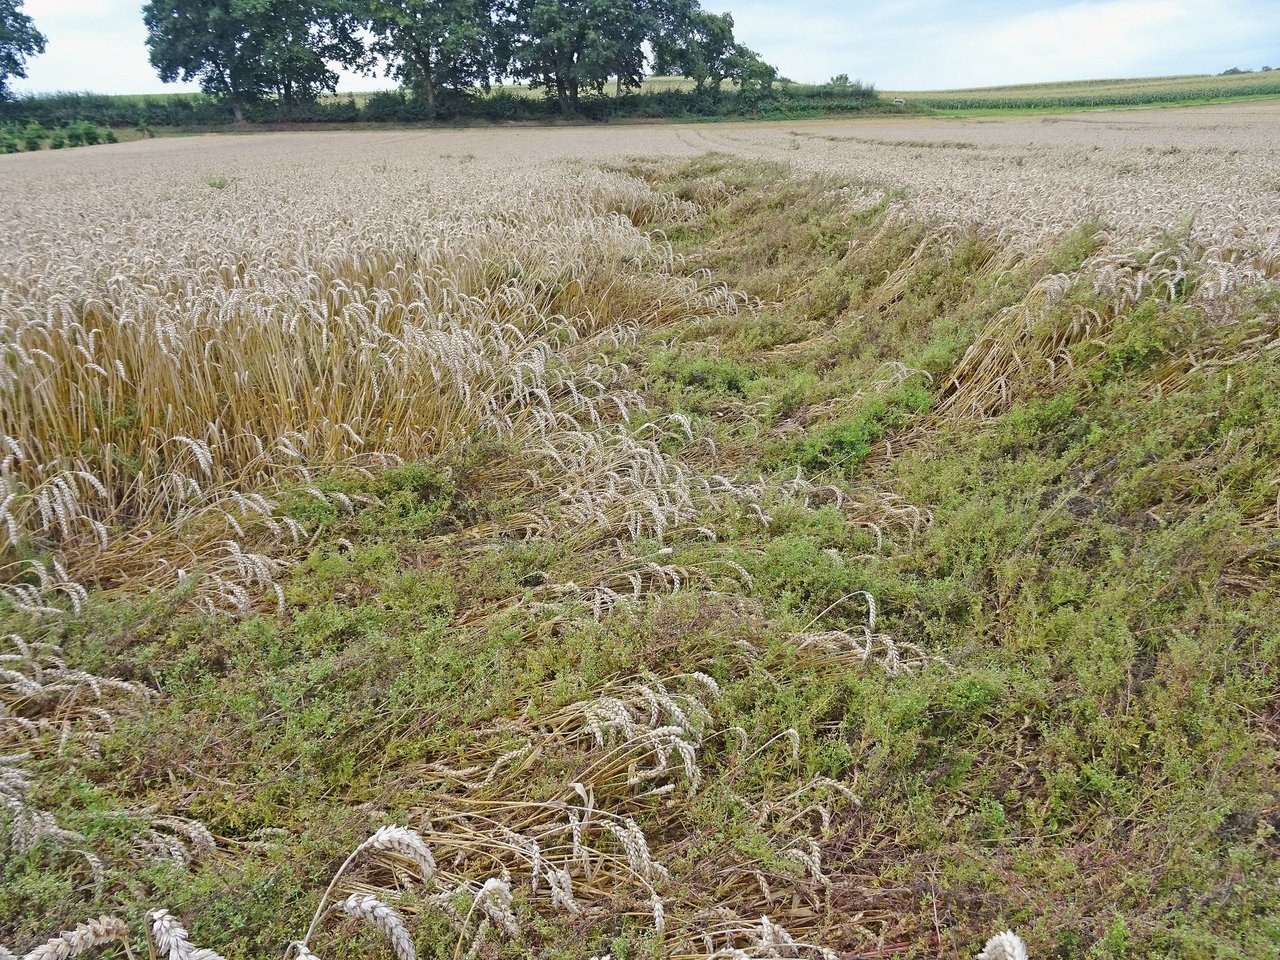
{"points": [[1079, 94]]}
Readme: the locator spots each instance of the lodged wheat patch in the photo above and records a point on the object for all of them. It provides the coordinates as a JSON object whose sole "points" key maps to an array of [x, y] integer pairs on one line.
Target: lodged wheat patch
{"points": [[820, 539]]}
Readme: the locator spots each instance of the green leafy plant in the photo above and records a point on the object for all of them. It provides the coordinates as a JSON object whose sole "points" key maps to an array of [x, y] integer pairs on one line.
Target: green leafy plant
{"points": [[33, 134]]}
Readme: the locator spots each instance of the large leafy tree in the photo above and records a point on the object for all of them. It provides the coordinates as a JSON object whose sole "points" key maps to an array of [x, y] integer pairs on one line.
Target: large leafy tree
{"points": [[244, 50], [433, 46], [699, 45], [621, 30], [550, 46], [750, 72], [19, 39], [571, 46]]}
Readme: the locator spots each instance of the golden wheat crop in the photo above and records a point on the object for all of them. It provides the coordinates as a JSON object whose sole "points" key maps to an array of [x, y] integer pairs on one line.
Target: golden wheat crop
{"points": [[163, 374]]}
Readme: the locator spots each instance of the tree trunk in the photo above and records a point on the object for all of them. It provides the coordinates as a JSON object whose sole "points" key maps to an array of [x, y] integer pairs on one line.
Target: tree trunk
{"points": [[426, 68], [237, 110], [562, 94]]}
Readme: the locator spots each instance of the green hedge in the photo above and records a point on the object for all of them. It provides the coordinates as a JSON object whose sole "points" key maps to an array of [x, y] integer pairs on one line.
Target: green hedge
{"points": [[60, 110]]}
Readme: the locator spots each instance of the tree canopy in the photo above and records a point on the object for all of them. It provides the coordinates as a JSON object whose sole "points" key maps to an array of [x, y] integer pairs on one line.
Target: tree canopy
{"points": [[432, 46], [699, 45], [572, 46], [246, 50], [19, 39]]}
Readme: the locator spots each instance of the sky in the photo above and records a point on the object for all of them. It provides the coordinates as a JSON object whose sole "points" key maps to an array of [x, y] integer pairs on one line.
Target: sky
{"points": [[99, 45]]}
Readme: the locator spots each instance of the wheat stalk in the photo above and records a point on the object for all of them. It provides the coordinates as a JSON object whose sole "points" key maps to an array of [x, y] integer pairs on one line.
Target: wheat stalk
{"points": [[1004, 946], [373, 911], [399, 840], [85, 937], [171, 940]]}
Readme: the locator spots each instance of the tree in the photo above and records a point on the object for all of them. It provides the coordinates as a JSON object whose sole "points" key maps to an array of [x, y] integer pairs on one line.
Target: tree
{"points": [[621, 29], [701, 46], [436, 45], [698, 45], [569, 46], [550, 46], [752, 75], [244, 50], [19, 39]]}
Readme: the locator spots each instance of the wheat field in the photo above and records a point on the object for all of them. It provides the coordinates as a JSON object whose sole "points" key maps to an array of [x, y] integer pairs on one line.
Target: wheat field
{"points": [[644, 437]]}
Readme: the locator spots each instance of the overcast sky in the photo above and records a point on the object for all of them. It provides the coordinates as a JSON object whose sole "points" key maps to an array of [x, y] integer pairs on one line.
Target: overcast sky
{"points": [[897, 44]]}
